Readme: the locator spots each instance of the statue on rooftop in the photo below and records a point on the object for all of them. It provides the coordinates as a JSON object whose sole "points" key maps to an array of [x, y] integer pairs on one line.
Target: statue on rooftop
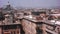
{"points": [[8, 7]]}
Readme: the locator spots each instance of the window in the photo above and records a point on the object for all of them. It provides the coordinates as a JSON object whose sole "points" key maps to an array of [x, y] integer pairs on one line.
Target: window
{"points": [[52, 18], [35, 13]]}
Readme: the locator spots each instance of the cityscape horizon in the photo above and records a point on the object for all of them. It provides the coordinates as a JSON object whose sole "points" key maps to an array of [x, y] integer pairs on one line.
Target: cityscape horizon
{"points": [[31, 3]]}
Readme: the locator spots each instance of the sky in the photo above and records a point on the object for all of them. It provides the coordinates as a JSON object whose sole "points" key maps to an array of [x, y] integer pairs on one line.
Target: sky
{"points": [[31, 3]]}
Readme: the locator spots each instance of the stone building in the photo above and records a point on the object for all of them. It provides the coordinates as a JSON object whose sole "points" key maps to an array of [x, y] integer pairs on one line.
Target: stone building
{"points": [[7, 26]]}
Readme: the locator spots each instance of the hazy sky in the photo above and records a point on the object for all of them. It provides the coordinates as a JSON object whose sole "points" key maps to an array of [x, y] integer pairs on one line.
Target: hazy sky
{"points": [[31, 3]]}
